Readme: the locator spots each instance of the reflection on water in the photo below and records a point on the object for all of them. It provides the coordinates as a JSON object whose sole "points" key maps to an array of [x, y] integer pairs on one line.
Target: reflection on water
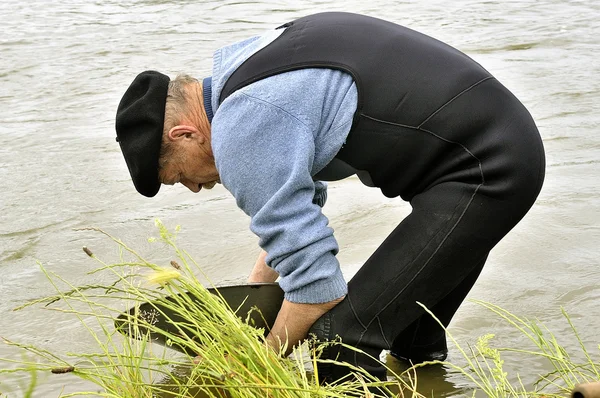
{"points": [[432, 380], [64, 67]]}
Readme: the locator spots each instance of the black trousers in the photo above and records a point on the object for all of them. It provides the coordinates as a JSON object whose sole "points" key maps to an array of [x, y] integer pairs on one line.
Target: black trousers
{"points": [[436, 253]]}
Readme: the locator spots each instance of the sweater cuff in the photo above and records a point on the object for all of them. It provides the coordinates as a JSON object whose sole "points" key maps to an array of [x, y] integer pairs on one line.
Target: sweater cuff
{"points": [[320, 291]]}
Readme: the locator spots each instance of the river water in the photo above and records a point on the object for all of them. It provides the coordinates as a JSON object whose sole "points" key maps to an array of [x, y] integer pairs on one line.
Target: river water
{"points": [[64, 65]]}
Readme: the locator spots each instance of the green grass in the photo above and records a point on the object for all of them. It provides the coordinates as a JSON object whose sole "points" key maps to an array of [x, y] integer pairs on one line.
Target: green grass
{"points": [[484, 368], [235, 361]]}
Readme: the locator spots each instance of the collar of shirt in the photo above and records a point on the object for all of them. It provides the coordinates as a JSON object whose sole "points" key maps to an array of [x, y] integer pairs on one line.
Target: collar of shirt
{"points": [[207, 94]]}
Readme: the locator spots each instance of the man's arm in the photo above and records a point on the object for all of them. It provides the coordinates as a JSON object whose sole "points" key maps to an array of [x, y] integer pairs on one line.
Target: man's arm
{"points": [[293, 322], [294, 319], [262, 273], [278, 196]]}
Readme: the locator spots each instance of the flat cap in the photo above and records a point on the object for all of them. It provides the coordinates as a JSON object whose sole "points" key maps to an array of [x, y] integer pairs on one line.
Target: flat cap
{"points": [[139, 125]]}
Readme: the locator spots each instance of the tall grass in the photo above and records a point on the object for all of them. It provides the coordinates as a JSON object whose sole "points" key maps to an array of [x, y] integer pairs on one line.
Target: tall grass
{"points": [[230, 357], [484, 365]]}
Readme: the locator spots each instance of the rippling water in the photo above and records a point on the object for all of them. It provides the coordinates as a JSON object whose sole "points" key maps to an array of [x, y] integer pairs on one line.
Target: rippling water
{"points": [[65, 64]]}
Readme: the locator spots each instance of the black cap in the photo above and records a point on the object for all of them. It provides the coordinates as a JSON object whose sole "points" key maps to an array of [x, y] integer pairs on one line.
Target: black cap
{"points": [[139, 124]]}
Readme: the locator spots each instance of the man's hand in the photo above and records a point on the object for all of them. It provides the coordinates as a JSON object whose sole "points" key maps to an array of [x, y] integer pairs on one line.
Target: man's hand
{"points": [[261, 272], [294, 319], [293, 322]]}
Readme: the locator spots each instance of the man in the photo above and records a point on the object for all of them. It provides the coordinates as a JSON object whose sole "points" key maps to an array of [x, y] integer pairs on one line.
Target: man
{"points": [[322, 98]]}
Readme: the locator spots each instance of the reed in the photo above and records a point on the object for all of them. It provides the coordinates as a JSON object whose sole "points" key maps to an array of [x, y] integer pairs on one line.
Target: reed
{"points": [[231, 358], [484, 365]]}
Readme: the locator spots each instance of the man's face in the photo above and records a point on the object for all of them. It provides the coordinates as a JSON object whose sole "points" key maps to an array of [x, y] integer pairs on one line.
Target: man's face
{"points": [[189, 164]]}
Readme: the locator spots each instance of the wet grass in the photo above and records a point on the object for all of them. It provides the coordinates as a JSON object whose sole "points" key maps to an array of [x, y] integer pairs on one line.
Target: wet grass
{"points": [[233, 360], [484, 367]]}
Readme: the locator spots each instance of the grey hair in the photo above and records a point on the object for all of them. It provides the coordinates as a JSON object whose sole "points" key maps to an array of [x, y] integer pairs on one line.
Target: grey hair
{"points": [[176, 106]]}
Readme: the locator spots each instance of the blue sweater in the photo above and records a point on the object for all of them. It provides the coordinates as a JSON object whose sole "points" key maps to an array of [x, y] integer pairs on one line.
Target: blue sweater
{"points": [[269, 138]]}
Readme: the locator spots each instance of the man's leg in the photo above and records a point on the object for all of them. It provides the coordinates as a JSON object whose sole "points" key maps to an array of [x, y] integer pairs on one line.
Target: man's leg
{"points": [[424, 339], [436, 253], [438, 248]]}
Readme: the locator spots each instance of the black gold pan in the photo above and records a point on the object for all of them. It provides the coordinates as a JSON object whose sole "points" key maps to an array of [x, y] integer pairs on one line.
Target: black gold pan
{"points": [[266, 297]]}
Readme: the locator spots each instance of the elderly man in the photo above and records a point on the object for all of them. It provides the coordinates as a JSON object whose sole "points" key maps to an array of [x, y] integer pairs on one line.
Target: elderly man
{"points": [[322, 98]]}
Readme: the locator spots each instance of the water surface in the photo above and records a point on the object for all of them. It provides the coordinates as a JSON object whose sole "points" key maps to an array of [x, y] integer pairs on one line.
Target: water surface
{"points": [[65, 64]]}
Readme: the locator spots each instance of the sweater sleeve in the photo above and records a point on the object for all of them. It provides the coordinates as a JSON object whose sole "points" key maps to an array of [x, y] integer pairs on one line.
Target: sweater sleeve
{"points": [[264, 156]]}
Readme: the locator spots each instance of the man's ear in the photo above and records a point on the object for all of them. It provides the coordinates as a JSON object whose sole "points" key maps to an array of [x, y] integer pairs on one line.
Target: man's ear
{"points": [[183, 131]]}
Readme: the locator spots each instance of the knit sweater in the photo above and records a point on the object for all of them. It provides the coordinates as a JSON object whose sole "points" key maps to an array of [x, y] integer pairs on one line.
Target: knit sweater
{"points": [[269, 139]]}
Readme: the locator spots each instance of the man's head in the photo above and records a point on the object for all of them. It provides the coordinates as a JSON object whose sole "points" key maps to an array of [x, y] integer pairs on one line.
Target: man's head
{"points": [[164, 133]]}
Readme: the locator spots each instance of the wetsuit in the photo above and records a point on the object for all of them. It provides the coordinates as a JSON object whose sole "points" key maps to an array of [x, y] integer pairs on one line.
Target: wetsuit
{"points": [[432, 127]]}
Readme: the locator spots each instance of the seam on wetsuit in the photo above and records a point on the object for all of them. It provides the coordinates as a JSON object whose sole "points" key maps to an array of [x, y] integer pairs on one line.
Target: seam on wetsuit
{"points": [[354, 312], [382, 333], [436, 136], [452, 99], [479, 165], [419, 127]]}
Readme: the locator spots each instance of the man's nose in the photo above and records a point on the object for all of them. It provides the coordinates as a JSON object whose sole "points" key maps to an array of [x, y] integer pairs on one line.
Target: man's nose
{"points": [[191, 185]]}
